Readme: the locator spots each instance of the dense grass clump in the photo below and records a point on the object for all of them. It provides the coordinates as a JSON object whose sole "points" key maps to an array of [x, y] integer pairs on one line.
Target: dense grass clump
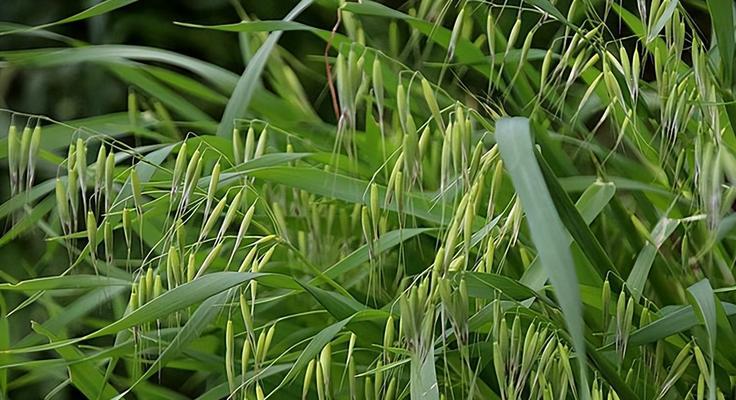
{"points": [[446, 200]]}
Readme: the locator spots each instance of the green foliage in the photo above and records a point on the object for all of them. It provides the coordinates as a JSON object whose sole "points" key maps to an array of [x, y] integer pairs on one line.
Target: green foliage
{"points": [[527, 200]]}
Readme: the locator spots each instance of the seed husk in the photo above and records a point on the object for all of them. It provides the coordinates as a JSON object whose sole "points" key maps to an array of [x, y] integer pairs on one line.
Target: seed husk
{"points": [[249, 144], [135, 182], [260, 353], [23, 164], [13, 151], [265, 259], [455, 34], [262, 143], [325, 361], [388, 334], [109, 179], [132, 109], [194, 170], [369, 389], [173, 267], [308, 379], [230, 215], [378, 382], [158, 287], [108, 239], [33, 154], [431, 100], [320, 382], [212, 219], [100, 169], [128, 226], [365, 222], [229, 355], [377, 80], [209, 259], [149, 283], [391, 391], [544, 72], [245, 359], [245, 311], [92, 233], [62, 204], [133, 302], [179, 168], [248, 260], [81, 162], [237, 147], [191, 267], [244, 225], [142, 291], [499, 364]]}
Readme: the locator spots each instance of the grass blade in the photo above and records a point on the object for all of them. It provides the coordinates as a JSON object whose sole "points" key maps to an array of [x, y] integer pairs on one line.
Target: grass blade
{"points": [[240, 100], [515, 144]]}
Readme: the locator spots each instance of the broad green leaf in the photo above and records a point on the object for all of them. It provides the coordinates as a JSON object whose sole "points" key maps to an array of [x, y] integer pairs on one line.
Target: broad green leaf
{"points": [[84, 376], [174, 300], [580, 183], [483, 285], [339, 306], [663, 19], [547, 7], [575, 223], [639, 273], [28, 220], [195, 325], [74, 311], [590, 204], [178, 298], [362, 254], [19, 200], [423, 381], [722, 15], [548, 234], [246, 168], [373, 8], [187, 85], [674, 319], [318, 342], [704, 304]]}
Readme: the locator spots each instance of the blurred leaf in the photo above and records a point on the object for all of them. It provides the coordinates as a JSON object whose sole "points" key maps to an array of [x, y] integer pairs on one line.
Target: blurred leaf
{"points": [[238, 104], [97, 9], [64, 282], [722, 17]]}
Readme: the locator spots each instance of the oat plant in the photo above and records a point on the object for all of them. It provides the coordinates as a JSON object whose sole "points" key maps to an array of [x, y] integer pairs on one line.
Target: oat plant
{"points": [[443, 200]]}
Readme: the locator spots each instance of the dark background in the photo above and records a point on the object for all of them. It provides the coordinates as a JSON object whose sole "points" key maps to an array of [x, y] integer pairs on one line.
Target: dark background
{"points": [[84, 90]]}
